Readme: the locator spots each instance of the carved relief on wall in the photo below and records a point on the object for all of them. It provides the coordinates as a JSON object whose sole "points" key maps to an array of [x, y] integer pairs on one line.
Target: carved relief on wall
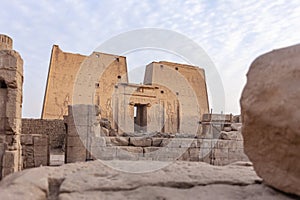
{"points": [[63, 106]]}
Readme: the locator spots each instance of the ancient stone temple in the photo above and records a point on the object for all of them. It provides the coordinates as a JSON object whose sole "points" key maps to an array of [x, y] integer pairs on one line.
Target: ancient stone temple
{"points": [[62, 75], [106, 117], [145, 133], [11, 82], [91, 111], [170, 94]]}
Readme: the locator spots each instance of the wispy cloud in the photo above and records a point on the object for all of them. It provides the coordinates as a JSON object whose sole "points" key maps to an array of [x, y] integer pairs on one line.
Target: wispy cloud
{"points": [[233, 33]]}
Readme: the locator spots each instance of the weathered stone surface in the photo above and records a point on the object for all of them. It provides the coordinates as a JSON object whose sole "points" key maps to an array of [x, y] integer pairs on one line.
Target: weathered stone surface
{"points": [[75, 141], [78, 154], [104, 131], [227, 128], [270, 111], [40, 140], [165, 153], [109, 85], [41, 161], [11, 82], [119, 141], [180, 180], [157, 142], [150, 149], [194, 154], [129, 153], [216, 118], [236, 126], [237, 119], [205, 143], [140, 141], [179, 143], [35, 150], [6, 42], [104, 153], [26, 139], [232, 135], [105, 123], [55, 129], [10, 159]]}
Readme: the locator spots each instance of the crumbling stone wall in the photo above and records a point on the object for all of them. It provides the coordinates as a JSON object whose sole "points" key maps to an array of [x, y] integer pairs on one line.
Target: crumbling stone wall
{"points": [[35, 150], [224, 133], [81, 130], [38, 138], [11, 84], [55, 129], [86, 141], [212, 151]]}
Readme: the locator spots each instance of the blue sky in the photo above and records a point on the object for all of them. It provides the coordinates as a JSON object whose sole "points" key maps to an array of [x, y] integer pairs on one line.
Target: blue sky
{"points": [[233, 33]]}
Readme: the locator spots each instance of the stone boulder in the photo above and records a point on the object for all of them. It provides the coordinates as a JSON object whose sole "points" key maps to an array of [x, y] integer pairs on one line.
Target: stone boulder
{"points": [[179, 180], [270, 106]]}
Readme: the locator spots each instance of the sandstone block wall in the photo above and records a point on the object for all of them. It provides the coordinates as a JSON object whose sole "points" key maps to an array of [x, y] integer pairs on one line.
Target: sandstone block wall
{"points": [[77, 79], [80, 131], [160, 106], [54, 129], [85, 141], [5, 42], [11, 85], [38, 138], [105, 70], [35, 150], [212, 151], [62, 73], [186, 81]]}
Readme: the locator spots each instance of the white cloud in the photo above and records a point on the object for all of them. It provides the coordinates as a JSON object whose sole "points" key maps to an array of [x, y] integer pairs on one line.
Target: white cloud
{"points": [[232, 32]]}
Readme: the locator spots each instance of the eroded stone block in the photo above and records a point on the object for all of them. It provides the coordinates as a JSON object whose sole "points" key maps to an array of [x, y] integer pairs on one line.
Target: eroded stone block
{"points": [[140, 141], [26, 139], [40, 140], [129, 153], [10, 159]]}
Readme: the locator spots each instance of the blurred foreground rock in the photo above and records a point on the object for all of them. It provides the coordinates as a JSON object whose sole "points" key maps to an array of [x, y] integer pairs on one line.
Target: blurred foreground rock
{"points": [[270, 106], [180, 180]]}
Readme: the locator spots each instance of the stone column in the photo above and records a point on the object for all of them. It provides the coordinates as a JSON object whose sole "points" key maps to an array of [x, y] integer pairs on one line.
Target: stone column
{"points": [[11, 83]]}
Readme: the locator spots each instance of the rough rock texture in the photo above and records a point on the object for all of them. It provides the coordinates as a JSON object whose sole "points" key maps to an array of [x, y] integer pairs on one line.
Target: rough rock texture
{"points": [[271, 118], [180, 180], [11, 84], [54, 128], [35, 151]]}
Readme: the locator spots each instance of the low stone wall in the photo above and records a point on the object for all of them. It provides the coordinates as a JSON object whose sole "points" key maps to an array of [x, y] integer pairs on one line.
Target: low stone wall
{"points": [[212, 151], [222, 151], [55, 129], [35, 150], [219, 143]]}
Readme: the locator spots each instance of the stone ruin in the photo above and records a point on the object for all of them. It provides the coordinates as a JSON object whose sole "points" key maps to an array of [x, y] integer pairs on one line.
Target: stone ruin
{"points": [[164, 119], [219, 143], [120, 124], [11, 84]]}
